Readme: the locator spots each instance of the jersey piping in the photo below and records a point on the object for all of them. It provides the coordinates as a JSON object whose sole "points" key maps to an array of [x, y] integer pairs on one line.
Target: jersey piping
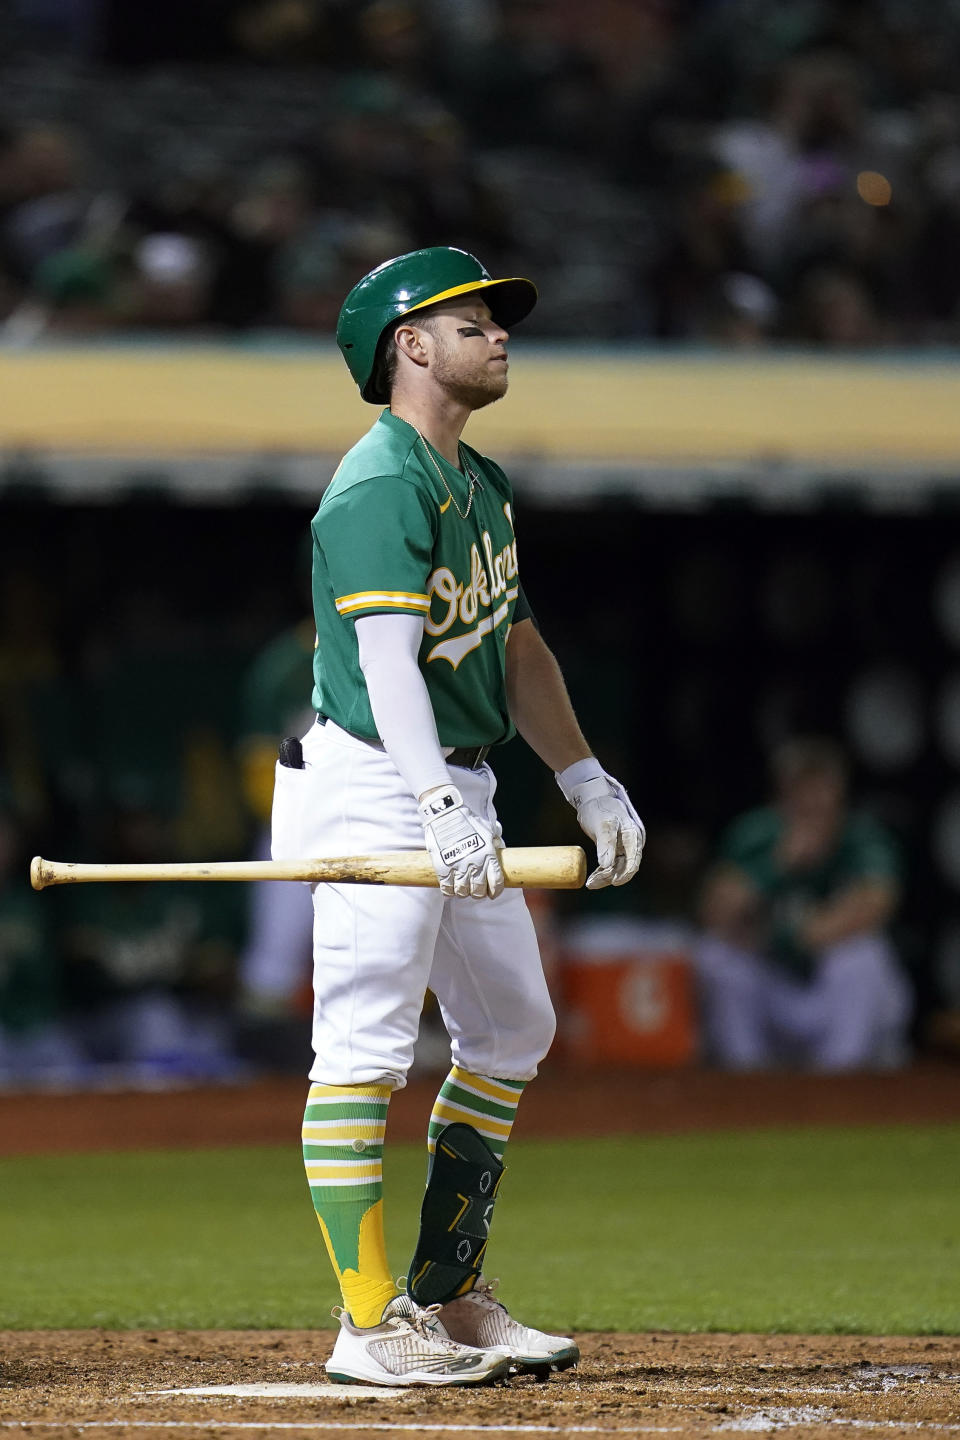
{"points": [[382, 600]]}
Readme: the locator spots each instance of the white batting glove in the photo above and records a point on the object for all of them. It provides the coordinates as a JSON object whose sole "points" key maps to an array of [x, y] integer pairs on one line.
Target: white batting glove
{"points": [[463, 846], [606, 814]]}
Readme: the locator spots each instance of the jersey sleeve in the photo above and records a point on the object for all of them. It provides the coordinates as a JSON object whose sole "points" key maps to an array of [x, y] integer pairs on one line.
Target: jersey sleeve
{"points": [[377, 540]]}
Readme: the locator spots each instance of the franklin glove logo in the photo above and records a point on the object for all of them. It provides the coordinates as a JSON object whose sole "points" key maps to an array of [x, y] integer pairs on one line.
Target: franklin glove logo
{"points": [[452, 853]]}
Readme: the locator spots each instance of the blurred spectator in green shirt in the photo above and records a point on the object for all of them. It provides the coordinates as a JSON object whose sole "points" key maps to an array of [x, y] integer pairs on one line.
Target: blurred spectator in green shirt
{"points": [[795, 965]]}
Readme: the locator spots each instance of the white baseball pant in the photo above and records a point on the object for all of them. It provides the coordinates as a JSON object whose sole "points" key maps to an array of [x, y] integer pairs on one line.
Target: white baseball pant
{"points": [[378, 948], [852, 1015]]}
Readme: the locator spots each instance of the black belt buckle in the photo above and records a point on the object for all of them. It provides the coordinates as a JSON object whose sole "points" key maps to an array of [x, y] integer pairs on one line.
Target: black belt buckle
{"points": [[466, 758]]}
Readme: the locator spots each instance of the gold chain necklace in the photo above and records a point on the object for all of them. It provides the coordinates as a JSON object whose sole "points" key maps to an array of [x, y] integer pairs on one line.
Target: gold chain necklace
{"points": [[472, 479]]}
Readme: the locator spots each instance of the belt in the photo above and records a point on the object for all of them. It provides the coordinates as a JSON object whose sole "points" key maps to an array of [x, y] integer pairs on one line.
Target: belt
{"points": [[465, 757], [468, 758]]}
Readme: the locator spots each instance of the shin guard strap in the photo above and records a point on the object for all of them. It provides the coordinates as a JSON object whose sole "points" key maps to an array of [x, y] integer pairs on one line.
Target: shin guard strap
{"points": [[455, 1216]]}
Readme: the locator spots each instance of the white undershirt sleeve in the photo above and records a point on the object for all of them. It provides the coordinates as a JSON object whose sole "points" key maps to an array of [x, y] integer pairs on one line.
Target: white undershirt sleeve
{"points": [[388, 647]]}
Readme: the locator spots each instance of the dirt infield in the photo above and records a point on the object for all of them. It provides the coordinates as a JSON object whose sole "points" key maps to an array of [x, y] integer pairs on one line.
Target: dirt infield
{"points": [[562, 1104], [85, 1382]]}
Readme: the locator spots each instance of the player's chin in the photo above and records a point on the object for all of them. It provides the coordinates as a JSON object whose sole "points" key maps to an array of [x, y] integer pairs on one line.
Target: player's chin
{"points": [[495, 386], [479, 390]]}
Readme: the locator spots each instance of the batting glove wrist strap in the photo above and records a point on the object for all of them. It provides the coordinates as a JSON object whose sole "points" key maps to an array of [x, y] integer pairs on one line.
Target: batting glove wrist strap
{"points": [[606, 813], [579, 774], [462, 845]]}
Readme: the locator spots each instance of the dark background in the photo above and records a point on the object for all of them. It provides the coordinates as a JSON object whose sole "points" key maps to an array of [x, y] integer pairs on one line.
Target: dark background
{"points": [[691, 644]]}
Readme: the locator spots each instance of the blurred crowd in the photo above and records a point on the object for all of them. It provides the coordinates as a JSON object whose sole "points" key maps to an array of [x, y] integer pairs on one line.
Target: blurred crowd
{"points": [[722, 171]]}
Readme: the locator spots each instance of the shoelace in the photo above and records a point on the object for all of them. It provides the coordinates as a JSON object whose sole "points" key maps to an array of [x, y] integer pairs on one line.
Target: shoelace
{"points": [[420, 1319], [482, 1292]]}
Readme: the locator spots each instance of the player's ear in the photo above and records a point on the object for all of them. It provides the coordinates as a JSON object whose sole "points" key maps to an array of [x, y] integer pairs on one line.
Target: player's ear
{"points": [[409, 340]]}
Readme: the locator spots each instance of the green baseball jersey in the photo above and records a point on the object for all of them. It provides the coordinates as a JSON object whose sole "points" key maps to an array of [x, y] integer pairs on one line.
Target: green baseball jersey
{"points": [[390, 538], [862, 851]]}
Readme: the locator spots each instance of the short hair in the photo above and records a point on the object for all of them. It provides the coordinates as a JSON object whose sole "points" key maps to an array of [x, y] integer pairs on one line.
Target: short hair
{"points": [[384, 371], [385, 360], [805, 756]]}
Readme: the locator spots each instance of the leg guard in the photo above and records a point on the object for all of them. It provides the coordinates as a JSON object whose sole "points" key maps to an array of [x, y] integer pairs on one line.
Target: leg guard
{"points": [[455, 1216]]}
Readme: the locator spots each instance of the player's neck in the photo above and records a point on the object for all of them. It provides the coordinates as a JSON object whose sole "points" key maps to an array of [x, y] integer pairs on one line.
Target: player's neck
{"points": [[438, 419]]}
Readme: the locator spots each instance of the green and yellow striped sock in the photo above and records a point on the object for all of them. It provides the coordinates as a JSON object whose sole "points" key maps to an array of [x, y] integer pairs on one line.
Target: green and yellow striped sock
{"points": [[488, 1105], [343, 1130]]}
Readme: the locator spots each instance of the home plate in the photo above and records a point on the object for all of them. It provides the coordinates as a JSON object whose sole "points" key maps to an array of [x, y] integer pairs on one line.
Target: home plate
{"points": [[293, 1392]]}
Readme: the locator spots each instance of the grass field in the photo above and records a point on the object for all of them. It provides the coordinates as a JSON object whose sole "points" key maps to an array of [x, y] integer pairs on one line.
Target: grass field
{"points": [[796, 1231]]}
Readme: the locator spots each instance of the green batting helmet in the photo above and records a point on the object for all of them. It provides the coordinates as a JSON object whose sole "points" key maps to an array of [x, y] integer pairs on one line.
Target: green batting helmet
{"points": [[412, 282]]}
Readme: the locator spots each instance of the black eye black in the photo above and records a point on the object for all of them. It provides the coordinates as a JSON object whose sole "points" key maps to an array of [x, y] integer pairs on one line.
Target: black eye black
{"points": [[469, 330]]}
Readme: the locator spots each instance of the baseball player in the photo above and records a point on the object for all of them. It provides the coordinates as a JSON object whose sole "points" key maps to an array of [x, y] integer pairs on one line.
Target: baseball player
{"points": [[427, 655]]}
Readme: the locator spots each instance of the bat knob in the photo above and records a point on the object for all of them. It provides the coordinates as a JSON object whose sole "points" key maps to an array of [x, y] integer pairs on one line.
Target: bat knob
{"points": [[37, 877]]}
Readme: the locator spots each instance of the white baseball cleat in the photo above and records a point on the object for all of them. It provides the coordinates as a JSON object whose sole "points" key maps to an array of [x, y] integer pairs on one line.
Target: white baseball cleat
{"points": [[411, 1347], [477, 1318]]}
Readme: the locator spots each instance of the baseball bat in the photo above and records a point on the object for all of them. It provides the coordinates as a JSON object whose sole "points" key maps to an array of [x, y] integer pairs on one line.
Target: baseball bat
{"points": [[543, 867]]}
